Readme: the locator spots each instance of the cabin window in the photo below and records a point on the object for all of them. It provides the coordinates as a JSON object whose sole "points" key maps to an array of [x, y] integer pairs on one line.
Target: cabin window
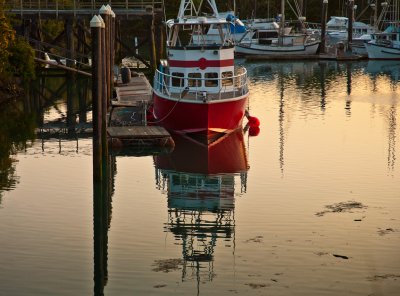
{"points": [[227, 79], [177, 79], [266, 34], [194, 79], [211, 79]]}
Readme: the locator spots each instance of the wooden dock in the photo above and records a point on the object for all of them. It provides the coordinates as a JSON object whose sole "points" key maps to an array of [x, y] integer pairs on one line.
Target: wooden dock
{"points": [[134, 93], [122, 136], [127, 125]]}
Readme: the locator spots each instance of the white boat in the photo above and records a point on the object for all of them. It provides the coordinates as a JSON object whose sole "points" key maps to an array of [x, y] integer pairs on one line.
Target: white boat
{"points": [[385, 45], [236, 28], [261, 44], [337, 29], [239, 28], [266, 42], [358, 45]]}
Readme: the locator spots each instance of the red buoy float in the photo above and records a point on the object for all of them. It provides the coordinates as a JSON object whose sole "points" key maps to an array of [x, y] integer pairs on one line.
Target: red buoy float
{"points": [[253, 121], [254, 131]]}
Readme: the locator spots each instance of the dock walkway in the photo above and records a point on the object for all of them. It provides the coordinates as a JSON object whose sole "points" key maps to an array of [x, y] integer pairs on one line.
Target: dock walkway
{"points": [[127, 124]]}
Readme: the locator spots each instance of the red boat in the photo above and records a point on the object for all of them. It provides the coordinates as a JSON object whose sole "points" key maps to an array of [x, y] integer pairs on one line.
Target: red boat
{"points": [[225, 155], [198, 88], [199, 175]]}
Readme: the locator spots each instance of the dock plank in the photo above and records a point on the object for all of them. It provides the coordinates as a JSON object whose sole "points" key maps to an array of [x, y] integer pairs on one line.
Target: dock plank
{"points": [[137, 91], [137, 132]]}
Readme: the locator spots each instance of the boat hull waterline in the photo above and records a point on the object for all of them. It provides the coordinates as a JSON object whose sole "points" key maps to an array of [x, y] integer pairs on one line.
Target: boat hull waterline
{"points": [[196, 116], [379, 52]]}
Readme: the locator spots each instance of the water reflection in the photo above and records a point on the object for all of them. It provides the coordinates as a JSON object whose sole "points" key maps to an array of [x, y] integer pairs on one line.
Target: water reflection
{"points": [[313, 87], [62, 103], [16, 133], [384, 68], [103, 190], [200, 183], [53, 107]]}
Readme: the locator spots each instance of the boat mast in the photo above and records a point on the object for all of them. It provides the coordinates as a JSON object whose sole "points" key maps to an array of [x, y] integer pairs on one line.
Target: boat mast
{"points": [[282, 23], [190, 5]]}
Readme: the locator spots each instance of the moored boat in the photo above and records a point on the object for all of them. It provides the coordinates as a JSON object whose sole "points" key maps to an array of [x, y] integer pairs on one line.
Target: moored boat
{"points": [[276, 43], [198, 88], [385, 45]]}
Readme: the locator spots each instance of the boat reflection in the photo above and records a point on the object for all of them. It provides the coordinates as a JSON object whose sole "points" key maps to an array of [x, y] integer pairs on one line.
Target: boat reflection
{"points": [[389, 68], [200, 183]]}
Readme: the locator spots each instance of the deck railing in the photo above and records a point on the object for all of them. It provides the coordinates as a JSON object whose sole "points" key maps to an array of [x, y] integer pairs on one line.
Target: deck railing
{"points": [[195, 89], [29, 5]]}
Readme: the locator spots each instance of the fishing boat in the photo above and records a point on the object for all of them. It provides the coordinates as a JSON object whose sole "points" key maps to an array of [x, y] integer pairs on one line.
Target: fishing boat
{"points": [[337, 29], [264, 42], [386, 45], [198, 89]]}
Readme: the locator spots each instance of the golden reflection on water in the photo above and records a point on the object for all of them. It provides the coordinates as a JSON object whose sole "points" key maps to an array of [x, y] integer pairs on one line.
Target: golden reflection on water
{"points": [[313, 210]]}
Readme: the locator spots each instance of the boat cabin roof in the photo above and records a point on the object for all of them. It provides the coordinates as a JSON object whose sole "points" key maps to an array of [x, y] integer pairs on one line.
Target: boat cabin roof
{"points": [[201, 20]]}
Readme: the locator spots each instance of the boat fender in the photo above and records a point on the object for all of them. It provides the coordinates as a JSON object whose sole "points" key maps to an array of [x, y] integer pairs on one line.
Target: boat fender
{"points": [[254, 131], [253, 121]]}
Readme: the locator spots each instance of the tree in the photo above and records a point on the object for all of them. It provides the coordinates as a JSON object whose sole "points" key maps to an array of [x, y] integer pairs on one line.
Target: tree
{"points": [[7, 36], [16, 55]]}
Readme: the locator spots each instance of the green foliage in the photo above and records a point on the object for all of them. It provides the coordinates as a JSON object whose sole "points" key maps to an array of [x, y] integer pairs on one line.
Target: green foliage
{"points": [[21, 59], [7, 35], [52, 28], [16, 56]]}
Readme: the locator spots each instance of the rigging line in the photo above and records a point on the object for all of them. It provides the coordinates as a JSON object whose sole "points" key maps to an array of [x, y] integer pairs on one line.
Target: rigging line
{"points": [[294, 11], [296, 4], [168, 114]]}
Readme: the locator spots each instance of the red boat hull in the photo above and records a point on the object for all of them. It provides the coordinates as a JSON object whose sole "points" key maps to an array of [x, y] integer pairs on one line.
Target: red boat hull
{"points": [[226, 155], [187, 117]]}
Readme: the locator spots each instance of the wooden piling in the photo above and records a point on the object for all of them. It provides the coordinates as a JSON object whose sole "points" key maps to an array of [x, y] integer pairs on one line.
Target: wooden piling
{"points": [[113, 41], [112, 52], [69, 36], [324, 16], [350, 26], [71, 95], [106, 16], [104, 86], [97, 94], [153, 45]]}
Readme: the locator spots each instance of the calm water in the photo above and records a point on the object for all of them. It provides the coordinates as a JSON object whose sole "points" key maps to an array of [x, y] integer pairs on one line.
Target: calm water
{"points": [[310, 206]]}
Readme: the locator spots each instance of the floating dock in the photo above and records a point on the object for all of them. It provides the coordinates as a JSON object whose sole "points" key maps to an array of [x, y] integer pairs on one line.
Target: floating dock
{"points": [[127, 120]]}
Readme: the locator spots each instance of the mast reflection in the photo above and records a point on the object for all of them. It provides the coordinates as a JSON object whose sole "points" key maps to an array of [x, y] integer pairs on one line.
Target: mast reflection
{"points": [[390, 69], [200, 183]]}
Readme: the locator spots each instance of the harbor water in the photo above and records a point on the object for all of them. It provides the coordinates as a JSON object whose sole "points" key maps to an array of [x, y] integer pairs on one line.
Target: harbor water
{"points": [[307, 205]]}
